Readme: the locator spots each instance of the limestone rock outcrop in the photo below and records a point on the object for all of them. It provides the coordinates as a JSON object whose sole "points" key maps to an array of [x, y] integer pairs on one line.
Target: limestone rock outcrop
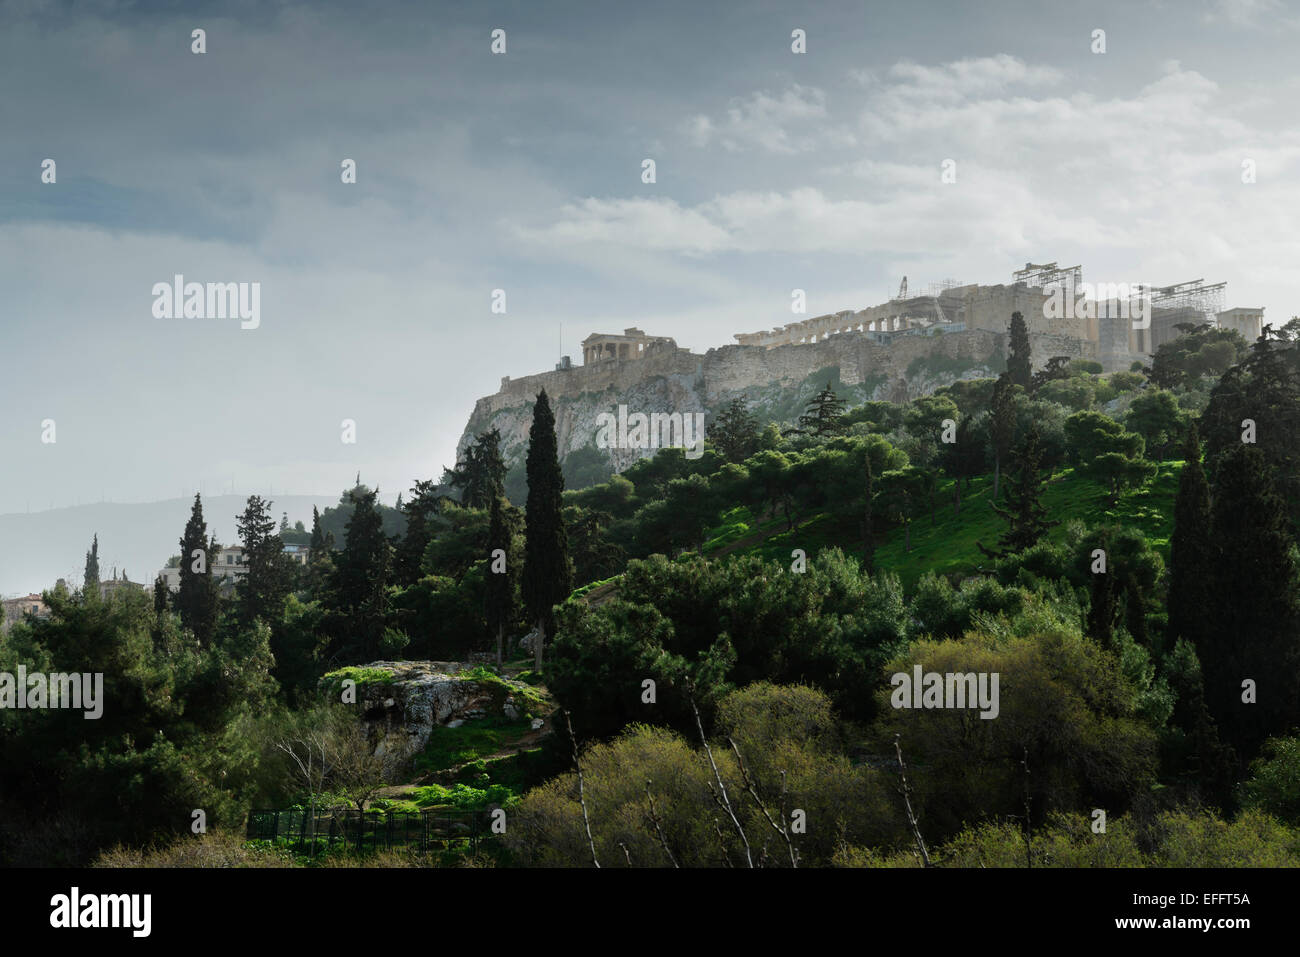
{"points": [[775, 383], [402, 701]]}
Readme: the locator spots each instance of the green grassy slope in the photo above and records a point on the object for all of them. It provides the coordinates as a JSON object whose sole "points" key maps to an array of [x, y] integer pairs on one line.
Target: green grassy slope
{"points": [[948, 545]]}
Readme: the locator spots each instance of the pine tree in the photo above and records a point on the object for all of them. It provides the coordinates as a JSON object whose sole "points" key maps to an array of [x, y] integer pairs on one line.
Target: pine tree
{"points": [[358, 599], [822, 417], [962, 459], [1026, 516], [735, 431], [1058, 367], [1265, 388], [267, 581], [1191, 551], [420, 511], [196, 600], [1019, 367], [90, 579], [481, 476], [1255, 610], [547, 576]]}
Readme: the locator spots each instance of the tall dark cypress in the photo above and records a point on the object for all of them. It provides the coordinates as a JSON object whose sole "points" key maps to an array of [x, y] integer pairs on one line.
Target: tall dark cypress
{"points": [[1002, 426], [868, 520], [90, 578], [1103, 606], [160, 596], [1191, 551], [548, 578], [1019, 367], [1255, 606], [317, 533], [500, 578], [196, 600]]}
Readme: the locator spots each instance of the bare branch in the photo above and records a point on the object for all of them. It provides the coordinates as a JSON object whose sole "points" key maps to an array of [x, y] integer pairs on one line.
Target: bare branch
{"points": [[654, 819], [781, 828], [1029, 847], [722, 842], [907, 800], [724, 801], [581, 796]]}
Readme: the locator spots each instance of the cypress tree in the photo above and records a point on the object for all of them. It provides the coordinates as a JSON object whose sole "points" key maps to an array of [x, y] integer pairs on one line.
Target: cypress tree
{"points": [[90, 578], [1255, 606], [320, 561], [1191, 551], [196, 600], [1002, 426], [499, 593], [160, 595], [1103, 607], [317, 534], [547, 576], [1019, 367], [869, 550]]}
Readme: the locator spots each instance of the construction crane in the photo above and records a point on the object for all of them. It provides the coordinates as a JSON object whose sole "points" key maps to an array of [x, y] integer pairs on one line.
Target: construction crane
{"points": [[902, 289]]}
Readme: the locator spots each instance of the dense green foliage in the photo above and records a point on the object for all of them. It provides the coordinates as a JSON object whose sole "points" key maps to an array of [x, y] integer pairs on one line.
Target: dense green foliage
{"points": [[1120, 549]]}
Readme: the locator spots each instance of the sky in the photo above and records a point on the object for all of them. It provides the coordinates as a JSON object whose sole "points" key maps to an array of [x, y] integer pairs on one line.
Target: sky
{"points": [[522, 171]]}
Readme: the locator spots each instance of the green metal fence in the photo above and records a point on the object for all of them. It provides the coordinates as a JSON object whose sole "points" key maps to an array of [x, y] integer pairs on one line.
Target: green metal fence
{"points": [[348, 828]]}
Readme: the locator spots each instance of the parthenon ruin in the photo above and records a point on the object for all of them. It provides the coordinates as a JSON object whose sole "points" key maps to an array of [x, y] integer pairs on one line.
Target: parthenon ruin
{"points": [[1058, 306], [953, 307]]}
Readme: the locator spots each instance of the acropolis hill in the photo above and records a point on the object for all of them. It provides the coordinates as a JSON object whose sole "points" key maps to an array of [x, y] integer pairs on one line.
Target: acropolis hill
{"points": [[897, 350]]}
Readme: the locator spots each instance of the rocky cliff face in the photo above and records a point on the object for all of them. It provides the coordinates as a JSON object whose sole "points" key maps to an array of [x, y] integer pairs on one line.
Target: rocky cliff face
{"points": [[776, 383], [402, 701]]}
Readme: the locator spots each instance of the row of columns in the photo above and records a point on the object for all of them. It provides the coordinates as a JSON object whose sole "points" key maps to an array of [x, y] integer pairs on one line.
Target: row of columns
{"points": [[789, 336], [610, 350]]}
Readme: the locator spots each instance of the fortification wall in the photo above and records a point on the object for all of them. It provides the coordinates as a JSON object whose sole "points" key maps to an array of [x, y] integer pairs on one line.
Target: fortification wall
{"points": [[904, 368]]}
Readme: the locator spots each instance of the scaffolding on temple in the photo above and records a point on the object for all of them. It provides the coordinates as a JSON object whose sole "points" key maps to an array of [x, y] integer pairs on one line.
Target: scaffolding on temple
{"points": [[1193, 295], [939, 288], [1048, 275]]}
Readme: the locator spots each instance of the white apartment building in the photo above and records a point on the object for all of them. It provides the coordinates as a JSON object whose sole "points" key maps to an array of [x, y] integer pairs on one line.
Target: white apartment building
{"points": [[229, 565]]}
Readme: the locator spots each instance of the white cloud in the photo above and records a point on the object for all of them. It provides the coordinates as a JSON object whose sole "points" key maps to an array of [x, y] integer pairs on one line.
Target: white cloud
{"points": [[794, 121], [972, 77], [1150, 178]]}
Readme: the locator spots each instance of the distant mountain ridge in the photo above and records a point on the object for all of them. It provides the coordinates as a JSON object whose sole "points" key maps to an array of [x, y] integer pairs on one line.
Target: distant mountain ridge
{"points": [[38, 548]]}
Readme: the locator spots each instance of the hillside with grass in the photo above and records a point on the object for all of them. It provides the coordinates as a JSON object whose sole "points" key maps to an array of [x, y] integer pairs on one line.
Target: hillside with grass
{"points": [[945, 543]]}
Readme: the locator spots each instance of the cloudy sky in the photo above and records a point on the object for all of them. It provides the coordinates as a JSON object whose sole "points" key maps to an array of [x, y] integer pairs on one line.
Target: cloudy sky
{"points": [[522, 171]]}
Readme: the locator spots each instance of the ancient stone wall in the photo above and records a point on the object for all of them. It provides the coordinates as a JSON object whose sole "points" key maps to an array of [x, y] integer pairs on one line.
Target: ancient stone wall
{"points": [[682, 382]]}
